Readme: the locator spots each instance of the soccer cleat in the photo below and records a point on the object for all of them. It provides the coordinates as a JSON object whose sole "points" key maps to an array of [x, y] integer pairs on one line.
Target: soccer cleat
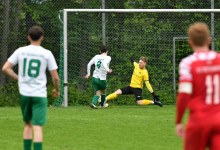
{"points": [[101, 107], [158, 103], [93, 106]]}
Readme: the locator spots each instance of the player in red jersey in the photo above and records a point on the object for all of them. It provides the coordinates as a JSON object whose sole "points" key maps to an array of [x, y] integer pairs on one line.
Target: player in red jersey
{"points": [[199, 90]]}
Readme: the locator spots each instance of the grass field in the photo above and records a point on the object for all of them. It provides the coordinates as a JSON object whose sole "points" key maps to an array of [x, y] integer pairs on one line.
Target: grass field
{"points": [[82, 128]]}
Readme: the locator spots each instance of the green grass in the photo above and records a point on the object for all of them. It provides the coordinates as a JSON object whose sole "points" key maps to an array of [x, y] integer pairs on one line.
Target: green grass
{"points": [[82, 128]]}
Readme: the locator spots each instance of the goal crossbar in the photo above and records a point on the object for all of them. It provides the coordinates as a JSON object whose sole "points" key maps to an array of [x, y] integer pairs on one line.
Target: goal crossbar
{"points": [[65, 11], [144, 10]]}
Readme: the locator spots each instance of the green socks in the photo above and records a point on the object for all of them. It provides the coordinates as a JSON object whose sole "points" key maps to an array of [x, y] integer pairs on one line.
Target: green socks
{"points": [[27, 144], [103, 99], [37, 146], [95, 99]]}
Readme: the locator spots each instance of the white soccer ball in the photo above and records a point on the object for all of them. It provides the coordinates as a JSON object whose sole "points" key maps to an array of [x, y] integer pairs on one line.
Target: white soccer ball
{"points": [[105, 104]]}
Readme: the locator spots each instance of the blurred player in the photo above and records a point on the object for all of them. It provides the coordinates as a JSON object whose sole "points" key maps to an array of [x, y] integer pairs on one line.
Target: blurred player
{"points": [[33, 61], [140, 75], [99, 81], [199, 90]]}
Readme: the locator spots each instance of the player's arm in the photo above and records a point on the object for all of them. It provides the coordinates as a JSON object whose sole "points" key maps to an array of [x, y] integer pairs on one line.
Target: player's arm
{"points": [[132, 60], [7, 69], [10, 63], [149, 87], [106, 66], [91, 62], [184, 94], [56, 83], [52, 67], [182, 102]]}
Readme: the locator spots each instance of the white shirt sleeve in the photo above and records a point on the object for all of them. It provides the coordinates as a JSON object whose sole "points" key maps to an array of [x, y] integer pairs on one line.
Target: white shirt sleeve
{"points": [[185, 71], [185, 77], [106, 62], [52, 65], [14, 58], [92, 61]]}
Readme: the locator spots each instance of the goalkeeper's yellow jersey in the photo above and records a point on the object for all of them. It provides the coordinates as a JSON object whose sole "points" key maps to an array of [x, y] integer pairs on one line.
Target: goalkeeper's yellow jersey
{"points": [[139, 77]]}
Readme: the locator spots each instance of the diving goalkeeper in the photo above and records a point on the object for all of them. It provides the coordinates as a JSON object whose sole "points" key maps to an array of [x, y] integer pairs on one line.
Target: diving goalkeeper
{"points": [[139, 76]]}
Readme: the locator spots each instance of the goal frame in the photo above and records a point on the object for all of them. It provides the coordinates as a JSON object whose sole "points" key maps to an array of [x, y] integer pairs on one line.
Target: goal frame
{"points": [[65, 13]]}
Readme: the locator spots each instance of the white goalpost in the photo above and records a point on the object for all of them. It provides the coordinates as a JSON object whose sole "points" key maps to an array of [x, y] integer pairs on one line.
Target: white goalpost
{"points": [[65, 31]]}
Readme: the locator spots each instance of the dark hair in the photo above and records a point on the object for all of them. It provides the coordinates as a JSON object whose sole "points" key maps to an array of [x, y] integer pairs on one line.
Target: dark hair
{"points": [[35, 33], [103, 48]]}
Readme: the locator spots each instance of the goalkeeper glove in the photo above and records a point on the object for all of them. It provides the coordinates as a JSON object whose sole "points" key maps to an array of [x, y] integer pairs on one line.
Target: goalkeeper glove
{"points": [[132, 60], [156, 97]]}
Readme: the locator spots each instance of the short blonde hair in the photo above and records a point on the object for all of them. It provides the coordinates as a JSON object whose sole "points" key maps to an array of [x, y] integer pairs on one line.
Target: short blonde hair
{"points": [[144, 59], [199, 33]]}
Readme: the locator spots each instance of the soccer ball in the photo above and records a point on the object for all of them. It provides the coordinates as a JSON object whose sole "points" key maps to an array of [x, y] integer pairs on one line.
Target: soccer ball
{"points": [[105, 104]]}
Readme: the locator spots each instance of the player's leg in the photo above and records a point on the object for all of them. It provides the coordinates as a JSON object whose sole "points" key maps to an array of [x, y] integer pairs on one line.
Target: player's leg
{"points": [[195, 139], [39, 117], [27, 136], [114, 95], [102, 85], [26, 109], [144, 102], [98, 93], [103, 96], [138, 95], [38, 137], [95, 99], [147, 102], [122, 91]]}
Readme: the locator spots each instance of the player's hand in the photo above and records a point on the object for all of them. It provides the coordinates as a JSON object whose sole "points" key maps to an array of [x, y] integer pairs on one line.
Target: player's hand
{"points": [[156, 97], [132, 60], [87, 76], [180, 131], [55, 93], [110, 71]]}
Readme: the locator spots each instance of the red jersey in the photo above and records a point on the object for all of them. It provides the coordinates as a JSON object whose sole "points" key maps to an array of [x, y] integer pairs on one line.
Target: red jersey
{"points": [[201, 71], [199, 90]]}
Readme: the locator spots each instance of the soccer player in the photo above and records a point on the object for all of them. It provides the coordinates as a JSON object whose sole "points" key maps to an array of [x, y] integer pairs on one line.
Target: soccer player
{"points": [[199, 90], [99, 81], [139, 76], [33, 61]]}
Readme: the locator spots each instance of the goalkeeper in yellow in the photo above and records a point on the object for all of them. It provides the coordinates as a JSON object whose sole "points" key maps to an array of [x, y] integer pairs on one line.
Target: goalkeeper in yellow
{"points": [[139, 76]]}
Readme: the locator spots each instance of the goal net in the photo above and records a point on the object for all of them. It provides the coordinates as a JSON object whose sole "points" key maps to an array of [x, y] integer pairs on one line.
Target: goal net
{"points": [[128, 34]]}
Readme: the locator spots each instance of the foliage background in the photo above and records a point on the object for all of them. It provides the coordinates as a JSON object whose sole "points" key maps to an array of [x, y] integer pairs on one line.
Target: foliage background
{"points": [[127, 35]]}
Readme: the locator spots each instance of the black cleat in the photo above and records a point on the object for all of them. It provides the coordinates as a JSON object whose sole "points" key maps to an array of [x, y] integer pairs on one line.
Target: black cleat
{"points": [[158, 103], [93, 106]]}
